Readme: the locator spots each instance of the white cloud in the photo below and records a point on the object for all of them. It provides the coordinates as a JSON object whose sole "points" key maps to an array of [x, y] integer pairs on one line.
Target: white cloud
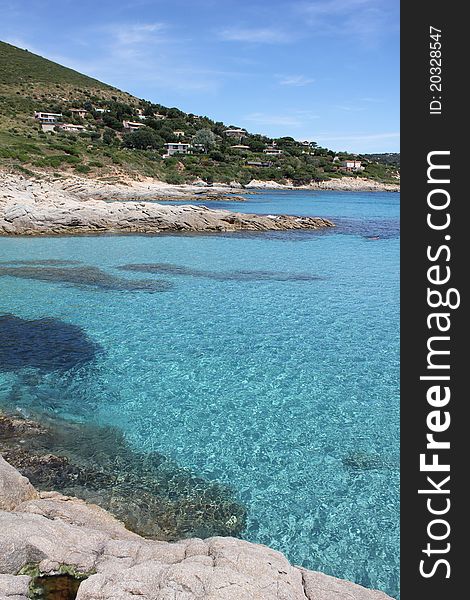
{"points": [[265, 35], [295, 80], [365, 20], [137, 33]]}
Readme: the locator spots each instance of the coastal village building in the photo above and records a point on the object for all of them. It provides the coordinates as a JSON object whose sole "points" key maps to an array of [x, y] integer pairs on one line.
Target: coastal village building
{"points": [[178, 133], [132, 125], [352, 165], [255, 163], [176, 148], [46, 117], [48, 127], [71, 127], [79, 112], [240, 147], [235, 133], [272, 150]]}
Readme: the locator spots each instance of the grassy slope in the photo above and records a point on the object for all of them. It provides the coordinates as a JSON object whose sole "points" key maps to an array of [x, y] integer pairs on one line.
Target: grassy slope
{"points": [[29, 82], [20, 66]]}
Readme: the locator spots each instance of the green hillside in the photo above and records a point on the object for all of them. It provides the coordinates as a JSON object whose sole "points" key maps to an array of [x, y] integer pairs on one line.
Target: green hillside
{"points": [[19, 66], [99, 141]]}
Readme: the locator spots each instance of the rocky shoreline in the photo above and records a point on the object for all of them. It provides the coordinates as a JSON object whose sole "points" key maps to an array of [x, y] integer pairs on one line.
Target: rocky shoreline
{"points": [[340, 184], [76, 206], [59, 547]]}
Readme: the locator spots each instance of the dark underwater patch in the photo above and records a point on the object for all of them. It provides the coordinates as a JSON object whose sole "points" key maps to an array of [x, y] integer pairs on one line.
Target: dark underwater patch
{"points": [[43, 262], [84, 276], [241, 275], [150, 493], [360, 460], [47, 344], [385, 229]]}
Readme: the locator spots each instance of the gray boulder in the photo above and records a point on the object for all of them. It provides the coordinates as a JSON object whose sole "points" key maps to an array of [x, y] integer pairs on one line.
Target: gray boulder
{"points": [[14, 488]]}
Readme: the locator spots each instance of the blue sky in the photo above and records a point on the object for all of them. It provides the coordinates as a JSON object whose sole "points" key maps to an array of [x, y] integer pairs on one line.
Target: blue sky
{"points": [[323, 70]]}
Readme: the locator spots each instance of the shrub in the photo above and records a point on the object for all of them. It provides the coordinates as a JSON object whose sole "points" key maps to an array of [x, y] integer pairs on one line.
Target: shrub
{"points": [[143, 138], [82, 168], [174, 178]]}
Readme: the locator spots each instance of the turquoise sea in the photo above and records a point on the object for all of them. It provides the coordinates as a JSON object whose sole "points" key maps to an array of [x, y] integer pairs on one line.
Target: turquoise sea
{"points": [[266, 361]]}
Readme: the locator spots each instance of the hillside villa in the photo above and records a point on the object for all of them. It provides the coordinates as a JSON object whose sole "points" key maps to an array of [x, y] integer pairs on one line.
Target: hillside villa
{"points": [[256, 163], [46, 117], [132, 125], [71, 127], [352, 165], [272, 150], [176, 148], [235, 133]]}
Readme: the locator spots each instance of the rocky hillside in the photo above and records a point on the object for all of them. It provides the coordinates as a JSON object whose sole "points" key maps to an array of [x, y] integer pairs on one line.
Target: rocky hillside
{"points": [[96, 130]]}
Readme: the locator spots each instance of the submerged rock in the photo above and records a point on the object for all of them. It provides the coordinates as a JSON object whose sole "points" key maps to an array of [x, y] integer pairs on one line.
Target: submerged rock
{"points": [[48, 344], [83, 276], [54, 262], [245, 275], [363, 461], [150, 493]]}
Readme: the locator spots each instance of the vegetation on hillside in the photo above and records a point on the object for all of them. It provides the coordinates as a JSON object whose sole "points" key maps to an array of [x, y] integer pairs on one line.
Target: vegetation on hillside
{"points": [[104, 147]]}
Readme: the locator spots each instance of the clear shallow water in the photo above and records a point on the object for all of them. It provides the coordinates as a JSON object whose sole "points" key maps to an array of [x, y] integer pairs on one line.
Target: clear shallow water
{"points": [[284, 387]]}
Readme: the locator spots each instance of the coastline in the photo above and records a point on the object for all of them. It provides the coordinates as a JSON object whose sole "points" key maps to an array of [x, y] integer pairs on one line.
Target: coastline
{"points": [[343, 184], [51, 538], [79, 206]]}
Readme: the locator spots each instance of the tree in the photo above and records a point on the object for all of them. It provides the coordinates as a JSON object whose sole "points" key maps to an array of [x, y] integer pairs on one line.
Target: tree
{"points": [[109, 136], [142, 139], [112, 122], [256, 145], [205, 138]]}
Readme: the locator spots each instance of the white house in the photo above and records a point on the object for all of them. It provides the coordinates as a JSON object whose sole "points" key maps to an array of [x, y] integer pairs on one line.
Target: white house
{"points": [[272, 150], [132, 125], [178, 133], [71, 127], [48, 127], [240, 147], [352, 165], [46, 117], [235, 133], [176, 148], [256, 163]]}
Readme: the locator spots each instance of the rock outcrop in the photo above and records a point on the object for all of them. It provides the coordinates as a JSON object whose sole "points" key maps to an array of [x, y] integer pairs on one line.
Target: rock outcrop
{"points": [[47, 535], [33, 207], [14, 488]]}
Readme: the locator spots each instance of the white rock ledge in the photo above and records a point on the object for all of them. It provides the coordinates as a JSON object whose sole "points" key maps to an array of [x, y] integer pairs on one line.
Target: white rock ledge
{"points": [[47, 531], [54, 207]]}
